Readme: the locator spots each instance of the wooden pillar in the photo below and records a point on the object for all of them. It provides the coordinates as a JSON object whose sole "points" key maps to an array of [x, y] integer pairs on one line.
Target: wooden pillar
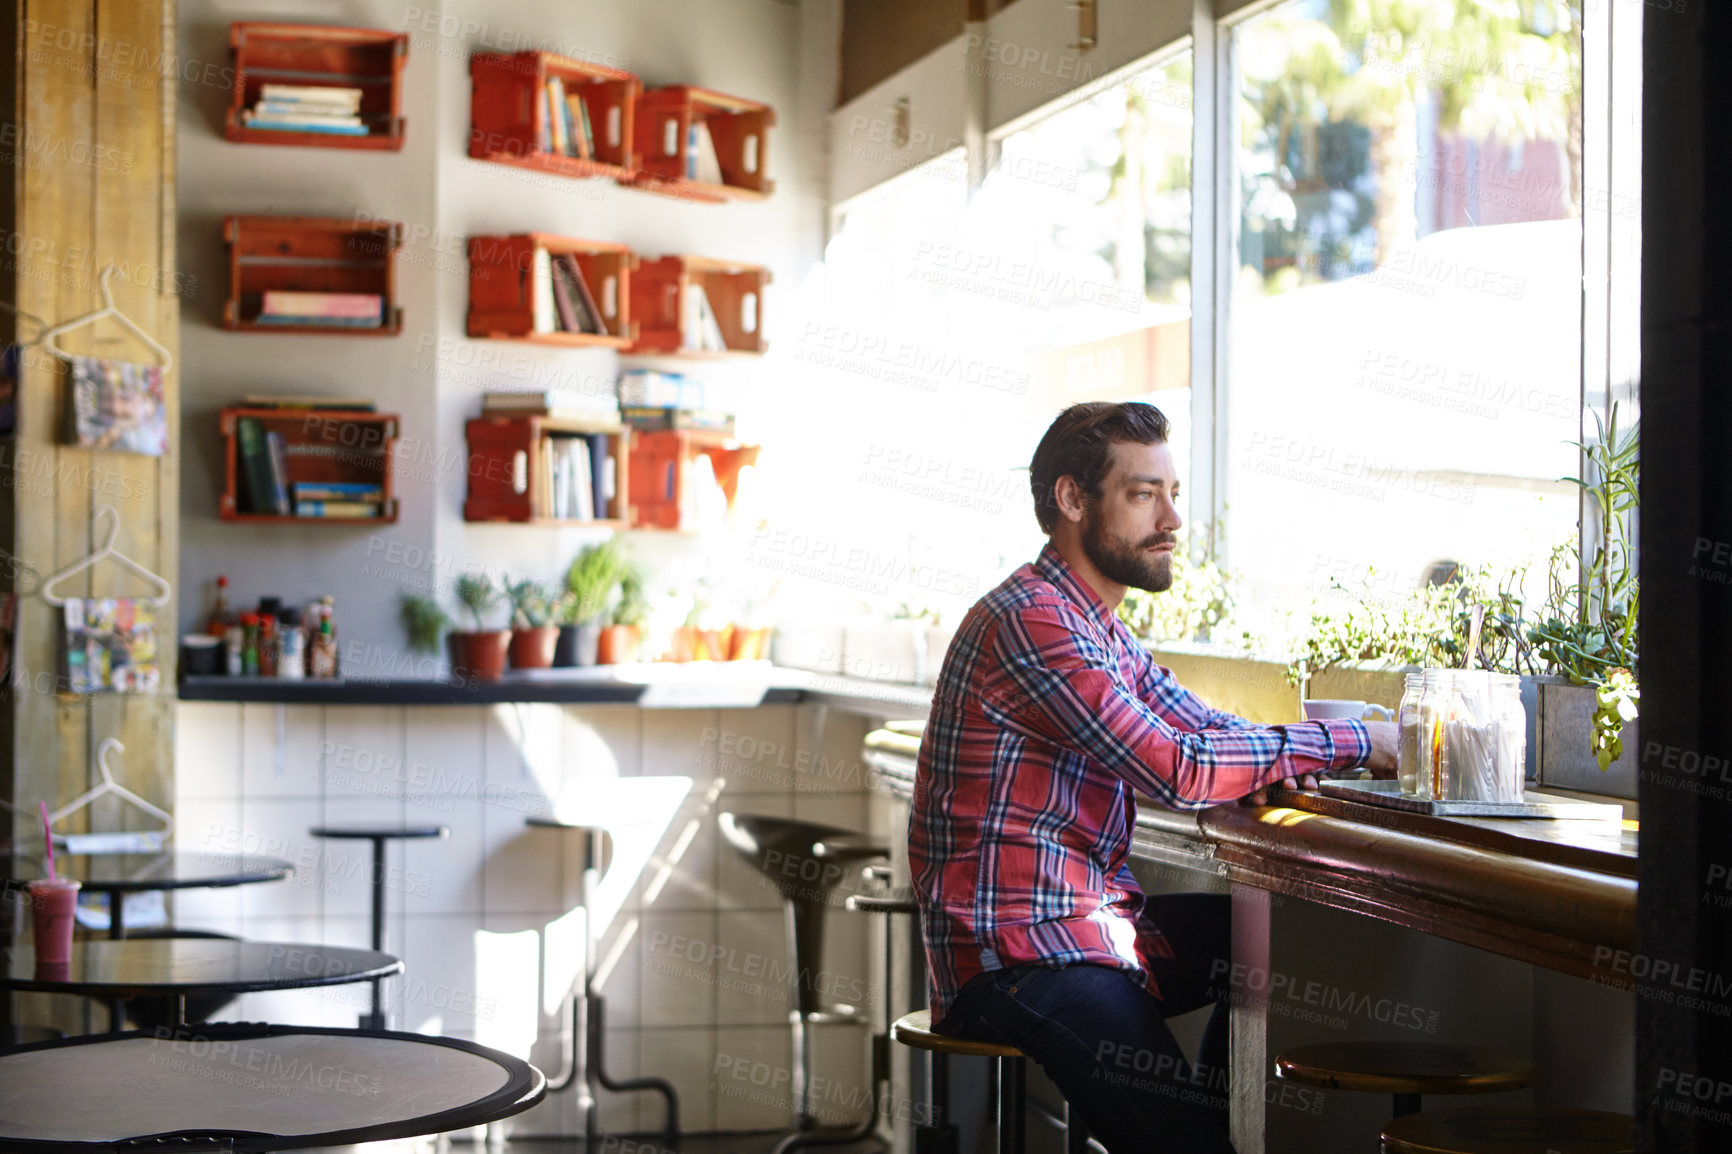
{"points": [[90, 98]]}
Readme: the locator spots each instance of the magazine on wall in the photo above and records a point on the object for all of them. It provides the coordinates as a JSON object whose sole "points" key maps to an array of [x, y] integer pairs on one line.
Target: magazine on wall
{"points": [[117, 405], [111, 645]]}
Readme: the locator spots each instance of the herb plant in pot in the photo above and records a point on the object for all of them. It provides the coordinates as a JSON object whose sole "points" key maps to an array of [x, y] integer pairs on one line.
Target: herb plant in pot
{"points": [[622, 640], [479, 652], [533, 633], [424, 622], [589, 584]]}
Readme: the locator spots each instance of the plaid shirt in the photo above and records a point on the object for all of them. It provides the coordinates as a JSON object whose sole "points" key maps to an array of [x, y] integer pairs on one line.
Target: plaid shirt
{"points": [[1047, 715]]}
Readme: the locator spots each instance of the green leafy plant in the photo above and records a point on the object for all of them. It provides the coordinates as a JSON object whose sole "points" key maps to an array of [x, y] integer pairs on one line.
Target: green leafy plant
{"points": [[633, 607], [423, 620], [477, 593], [1199, 602], [591, 579], [1588, 628], [531, 607]]}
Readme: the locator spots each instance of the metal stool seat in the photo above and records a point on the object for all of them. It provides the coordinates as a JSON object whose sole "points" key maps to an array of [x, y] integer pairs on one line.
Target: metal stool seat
{"points": [[1511, 1130], [1407, 1070]]}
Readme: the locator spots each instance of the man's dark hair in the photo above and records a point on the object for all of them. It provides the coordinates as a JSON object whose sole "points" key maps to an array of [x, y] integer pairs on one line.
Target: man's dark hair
{"points": [[1079, 444]]}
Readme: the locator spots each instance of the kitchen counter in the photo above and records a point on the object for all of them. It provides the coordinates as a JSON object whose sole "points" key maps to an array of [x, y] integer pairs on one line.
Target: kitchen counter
{"points": [[650, 685]]}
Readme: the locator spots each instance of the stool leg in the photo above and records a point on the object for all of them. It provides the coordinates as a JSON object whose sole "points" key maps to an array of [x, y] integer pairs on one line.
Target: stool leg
{"points": [[937, 1135], [1011, 1077], [1406, 1104], [376, 1019], [1076, 1135]]}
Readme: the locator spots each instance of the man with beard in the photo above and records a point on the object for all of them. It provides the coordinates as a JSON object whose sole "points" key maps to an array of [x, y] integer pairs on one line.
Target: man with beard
{"points": [[1047, 716]]}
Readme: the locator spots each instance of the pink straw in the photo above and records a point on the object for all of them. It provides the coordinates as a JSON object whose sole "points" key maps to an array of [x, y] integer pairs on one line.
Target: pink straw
{"points": [[48, 840]]}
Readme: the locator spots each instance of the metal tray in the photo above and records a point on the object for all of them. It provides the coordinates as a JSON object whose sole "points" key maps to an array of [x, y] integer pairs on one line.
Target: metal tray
{"points": [[1533, 804]]}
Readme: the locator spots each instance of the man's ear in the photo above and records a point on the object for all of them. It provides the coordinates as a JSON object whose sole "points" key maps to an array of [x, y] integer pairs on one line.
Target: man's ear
{"points": [[1070, 499]]}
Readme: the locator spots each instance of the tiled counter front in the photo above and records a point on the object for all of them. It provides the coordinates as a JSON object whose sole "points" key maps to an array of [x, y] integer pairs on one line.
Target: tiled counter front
{"points": [[693, 954]]}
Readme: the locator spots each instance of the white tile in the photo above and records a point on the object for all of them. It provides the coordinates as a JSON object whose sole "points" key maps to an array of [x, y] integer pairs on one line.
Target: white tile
{"points": [[440, 993], [602, 741], [619, 974], [753, 1077], [444, 748], [447, 871], [842, 810], [755, 750], [361, 753], [754, 972], [681, 873], [524, 870], [280, 747], [674, 742], [831, 742], [523, 755], [686, 1057], [277, 827], [678, 980], [839, 1059], [207, 750], [201, 824], [846, 975]]}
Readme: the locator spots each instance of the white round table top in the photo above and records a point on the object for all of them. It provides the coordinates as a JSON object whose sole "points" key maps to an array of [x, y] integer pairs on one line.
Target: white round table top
{"points": [[290, 1085]]}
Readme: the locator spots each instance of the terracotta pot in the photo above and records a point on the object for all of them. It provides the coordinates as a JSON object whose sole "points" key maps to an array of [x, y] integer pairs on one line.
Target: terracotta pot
{"points": [[479, 655], [750, 644], [619, 643], [712, 644], [533, 648]]}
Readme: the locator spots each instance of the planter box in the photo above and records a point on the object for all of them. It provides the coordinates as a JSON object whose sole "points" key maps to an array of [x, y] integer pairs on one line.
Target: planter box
{"points": [[1565, 718]]}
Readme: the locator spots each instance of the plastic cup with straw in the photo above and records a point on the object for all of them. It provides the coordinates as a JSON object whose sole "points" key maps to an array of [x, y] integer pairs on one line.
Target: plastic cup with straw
{"points": [[53, 900]]}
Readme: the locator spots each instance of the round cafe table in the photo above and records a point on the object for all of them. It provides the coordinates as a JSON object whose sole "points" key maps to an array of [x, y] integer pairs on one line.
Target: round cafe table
{"points": [[176, 967], [118, 874], [252, 1088]]}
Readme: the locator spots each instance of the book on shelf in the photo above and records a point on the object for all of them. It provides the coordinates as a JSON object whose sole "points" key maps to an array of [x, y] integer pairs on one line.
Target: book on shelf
{"points": [[277, 401], [660, 389], [559, 137], [322, 94], [575, 480], [667, 417], [254, 464], [316, 119], [367, 492], [585, 132], [310, 109], [325, 306], [574, 271], [302, 124], [542, 404], [702, 164], [346, 510], [542, 293], [565, 301], [699, 329], [279, 466], [318, 321]]}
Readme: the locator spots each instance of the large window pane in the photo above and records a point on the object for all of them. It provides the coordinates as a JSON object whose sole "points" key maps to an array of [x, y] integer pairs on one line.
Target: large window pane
{"points": [[1405, 348]]}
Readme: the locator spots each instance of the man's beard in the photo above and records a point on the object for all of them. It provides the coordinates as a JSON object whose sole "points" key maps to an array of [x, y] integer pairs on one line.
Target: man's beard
{"points": [[1127, 564]]}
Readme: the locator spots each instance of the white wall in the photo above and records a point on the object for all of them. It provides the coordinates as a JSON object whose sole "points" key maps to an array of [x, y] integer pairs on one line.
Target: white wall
{"points": [[780, 53]]}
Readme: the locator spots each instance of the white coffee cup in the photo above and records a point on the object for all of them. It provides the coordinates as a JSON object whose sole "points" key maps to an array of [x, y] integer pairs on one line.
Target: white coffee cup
{"points": [[1332, 709]]}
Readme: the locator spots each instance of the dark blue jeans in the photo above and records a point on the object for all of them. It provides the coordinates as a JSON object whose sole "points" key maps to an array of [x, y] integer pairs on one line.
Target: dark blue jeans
{"points": [[1104, 1040]]}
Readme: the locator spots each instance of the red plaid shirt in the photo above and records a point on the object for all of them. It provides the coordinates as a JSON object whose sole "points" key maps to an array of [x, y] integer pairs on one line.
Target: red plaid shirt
{"points": [[1047, 715]]}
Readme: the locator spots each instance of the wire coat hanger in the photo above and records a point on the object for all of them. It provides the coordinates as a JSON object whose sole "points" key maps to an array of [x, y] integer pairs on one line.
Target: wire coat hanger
{"points": [[109, 786], [108, 309], [107, 552]]}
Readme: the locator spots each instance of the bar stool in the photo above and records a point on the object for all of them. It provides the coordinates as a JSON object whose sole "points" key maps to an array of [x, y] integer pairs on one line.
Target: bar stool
{"points": [[916, 1030], [1511, 1130], [378, 835], [1407, 1070], [890, 904], [806, 862]]}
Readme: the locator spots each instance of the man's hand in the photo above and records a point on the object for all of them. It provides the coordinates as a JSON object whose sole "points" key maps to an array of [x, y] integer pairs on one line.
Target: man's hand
{"points": [[1385, 735], [1261, 796]]}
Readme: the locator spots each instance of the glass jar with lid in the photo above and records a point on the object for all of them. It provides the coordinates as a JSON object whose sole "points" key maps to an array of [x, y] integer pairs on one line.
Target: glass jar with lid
{"points": [[1407, 747]]}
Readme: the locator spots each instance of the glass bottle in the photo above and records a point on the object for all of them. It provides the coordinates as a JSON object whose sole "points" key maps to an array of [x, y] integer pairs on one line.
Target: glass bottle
{"points": [[1407, 749], [291, 647], [1433, 704], [218, 625], [1512, 735], [250, 645]]}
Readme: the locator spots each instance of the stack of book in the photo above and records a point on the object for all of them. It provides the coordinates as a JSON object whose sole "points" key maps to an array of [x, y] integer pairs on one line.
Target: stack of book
{"points": [[540, 404], [699, 330], [356, 500], [279, 401], [336, 310], [577, 476], [672, 417], [307, 108], [565, 127], [662, 390], [563, 302]]}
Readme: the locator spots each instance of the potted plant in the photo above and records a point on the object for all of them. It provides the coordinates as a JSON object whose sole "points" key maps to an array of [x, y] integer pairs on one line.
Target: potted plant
{"points": [[424, 621], [533, 633], [479, 652], [623, 639], [589, 583]]}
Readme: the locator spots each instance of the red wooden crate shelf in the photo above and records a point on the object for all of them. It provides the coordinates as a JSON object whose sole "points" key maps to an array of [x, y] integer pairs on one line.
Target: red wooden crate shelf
{"points": [[509, 108], [661, 311], [739, 129], [320, 445], [506, 469], [309, 254], [324, 55], [661, 462], [502, 288]]}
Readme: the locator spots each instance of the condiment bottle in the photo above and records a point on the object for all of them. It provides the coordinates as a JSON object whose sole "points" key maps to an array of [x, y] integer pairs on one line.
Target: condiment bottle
{"points": [[291, 647], [267, 646], [218, 624], [250, 645], [322, 645], [1407, 749]]}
